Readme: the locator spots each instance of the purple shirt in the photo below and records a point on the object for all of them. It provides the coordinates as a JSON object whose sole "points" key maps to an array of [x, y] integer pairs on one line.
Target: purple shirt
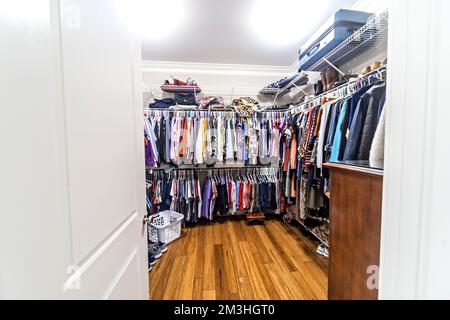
{"points": [[207, 193]]}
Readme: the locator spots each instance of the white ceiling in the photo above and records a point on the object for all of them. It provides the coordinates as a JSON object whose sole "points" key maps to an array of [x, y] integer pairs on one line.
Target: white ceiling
{"points": [[218, 31]]}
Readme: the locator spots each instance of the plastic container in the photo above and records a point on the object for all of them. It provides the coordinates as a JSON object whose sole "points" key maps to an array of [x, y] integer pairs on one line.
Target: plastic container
{"points": [[165, 226], [337, 29]]}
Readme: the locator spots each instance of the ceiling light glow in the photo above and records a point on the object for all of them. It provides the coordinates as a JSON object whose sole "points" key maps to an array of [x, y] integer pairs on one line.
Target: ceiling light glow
{"points": [[153, 19], [285, 22], [25, 10]]}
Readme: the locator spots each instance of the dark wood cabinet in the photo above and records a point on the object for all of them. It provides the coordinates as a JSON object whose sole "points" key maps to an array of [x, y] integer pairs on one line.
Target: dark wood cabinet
{"points": [[355, 230]]}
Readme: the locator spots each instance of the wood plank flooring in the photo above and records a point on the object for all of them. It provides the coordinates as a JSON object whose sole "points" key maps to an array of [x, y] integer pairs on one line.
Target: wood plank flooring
{"points": [[231, 260]]}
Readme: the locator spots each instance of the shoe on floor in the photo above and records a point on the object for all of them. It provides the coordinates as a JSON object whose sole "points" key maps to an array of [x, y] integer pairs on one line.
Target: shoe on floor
{"points": [[154, 251], [323, 250], [160, 245], [320, 249], [163, 247], [151, 262]]}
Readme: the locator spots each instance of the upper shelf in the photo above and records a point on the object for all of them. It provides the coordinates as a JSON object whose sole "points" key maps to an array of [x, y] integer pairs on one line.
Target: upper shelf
{"points": [[300, 79], [374, 32]]}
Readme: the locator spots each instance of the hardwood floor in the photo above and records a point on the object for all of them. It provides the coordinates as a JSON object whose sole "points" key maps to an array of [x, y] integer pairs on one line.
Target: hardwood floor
{"points": [[231, 260]]}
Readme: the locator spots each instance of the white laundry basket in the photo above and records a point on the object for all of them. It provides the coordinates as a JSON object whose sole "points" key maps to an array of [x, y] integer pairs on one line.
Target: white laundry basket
{"points": [[165, 226]]}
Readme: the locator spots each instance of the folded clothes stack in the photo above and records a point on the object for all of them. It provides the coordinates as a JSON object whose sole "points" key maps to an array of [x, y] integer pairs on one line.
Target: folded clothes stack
{"points": [[162, 104], [185, 99], [180, 100], [245, 106], [178, 86], [211, 102]]}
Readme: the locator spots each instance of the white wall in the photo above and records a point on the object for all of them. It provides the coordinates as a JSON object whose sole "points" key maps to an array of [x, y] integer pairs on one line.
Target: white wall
{"points": [[375, 6], [225, 80]]}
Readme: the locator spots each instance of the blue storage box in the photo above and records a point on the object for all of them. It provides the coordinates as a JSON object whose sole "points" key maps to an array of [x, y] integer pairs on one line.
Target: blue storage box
{"points": [[337, 29]]}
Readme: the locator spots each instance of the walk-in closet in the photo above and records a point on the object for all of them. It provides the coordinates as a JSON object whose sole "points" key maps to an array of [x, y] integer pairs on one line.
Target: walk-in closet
{"points": [[256, 193]]}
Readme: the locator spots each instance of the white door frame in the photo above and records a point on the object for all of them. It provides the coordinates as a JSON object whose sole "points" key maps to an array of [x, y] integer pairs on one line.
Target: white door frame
{"points": [[415, 252]]}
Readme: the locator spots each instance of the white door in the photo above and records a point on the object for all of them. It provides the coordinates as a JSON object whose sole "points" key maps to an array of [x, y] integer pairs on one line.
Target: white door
{"points": [[73, 171]]}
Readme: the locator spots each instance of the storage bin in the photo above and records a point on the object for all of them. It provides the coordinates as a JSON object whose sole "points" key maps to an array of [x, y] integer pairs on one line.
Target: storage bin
{"points": [[337, 29], [165, 226]]}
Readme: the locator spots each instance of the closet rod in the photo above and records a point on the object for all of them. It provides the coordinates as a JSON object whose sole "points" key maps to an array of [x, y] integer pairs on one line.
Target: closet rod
{"points": [[202, 112], [269, 111], [381, 70], [215, 168], [210, 111]]}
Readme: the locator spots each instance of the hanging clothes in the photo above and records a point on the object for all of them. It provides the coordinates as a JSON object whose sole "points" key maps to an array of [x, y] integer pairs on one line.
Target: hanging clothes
{"points": [[340, 133], [377, 149], [217, 194], [361, 133], [220, 139], [195, 138], [150, 140], [348, 128]]}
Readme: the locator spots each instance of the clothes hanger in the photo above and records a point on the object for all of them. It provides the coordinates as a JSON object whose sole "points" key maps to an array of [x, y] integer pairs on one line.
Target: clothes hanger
{"points": [[379, 75], [220, 177], [255, 176]]}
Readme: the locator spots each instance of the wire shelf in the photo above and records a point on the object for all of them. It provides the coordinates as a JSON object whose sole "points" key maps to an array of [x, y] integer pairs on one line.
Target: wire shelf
{"points": [[299, 81], [373, 33], [180, 89], [291, 85], [155, 91]]}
